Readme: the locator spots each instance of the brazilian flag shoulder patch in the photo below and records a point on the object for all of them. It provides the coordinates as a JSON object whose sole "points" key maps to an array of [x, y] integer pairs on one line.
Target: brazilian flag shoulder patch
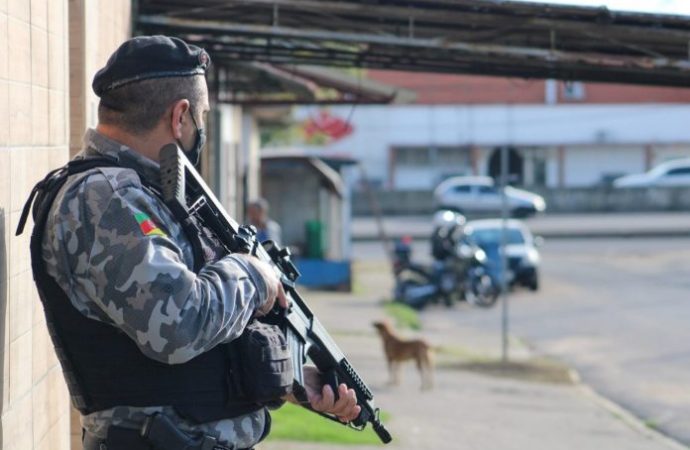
{"points": [[148, 227]]}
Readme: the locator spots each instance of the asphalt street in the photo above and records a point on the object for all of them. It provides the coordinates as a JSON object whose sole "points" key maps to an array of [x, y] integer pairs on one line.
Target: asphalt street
{"points": [[617, 310]]}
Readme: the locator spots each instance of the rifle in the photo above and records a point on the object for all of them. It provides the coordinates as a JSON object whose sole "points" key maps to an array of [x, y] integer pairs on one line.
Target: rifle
{"points": [[180, 183]]}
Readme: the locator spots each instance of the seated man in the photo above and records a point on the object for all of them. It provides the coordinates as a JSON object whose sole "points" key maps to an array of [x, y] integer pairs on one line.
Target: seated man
{"points": [[267, 229]]}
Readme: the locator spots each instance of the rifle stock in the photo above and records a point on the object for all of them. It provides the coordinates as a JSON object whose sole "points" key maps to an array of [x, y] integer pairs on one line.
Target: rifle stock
{"points": [[180, 184]]}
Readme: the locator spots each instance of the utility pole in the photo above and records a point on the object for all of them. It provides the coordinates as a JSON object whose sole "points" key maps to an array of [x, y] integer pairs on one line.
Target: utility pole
{"points": [[504, 255]]}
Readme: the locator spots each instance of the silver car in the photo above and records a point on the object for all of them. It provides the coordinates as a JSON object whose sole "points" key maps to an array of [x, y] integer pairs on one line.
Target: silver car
{"points": [[479, 196], [672, 173]]}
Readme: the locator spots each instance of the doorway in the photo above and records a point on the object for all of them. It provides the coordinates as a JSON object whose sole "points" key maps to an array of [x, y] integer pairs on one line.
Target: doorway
{"points": [[515, 166]]}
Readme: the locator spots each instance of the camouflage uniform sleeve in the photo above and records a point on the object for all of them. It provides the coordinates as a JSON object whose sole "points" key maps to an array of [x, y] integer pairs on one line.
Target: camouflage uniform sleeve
{"points": [[137, 274]]}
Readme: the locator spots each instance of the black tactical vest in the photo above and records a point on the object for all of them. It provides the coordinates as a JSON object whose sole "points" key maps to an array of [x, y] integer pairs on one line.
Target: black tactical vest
{"points": [[102, 365]]}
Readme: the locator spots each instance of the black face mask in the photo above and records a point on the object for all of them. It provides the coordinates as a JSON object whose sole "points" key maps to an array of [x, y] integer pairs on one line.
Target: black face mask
{"points": [[194, 153]]}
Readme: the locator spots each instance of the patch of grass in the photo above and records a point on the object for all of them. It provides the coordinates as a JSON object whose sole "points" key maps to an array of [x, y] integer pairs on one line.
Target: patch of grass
{"points": [[539, 370], [652, 424], [448, 353], [294, 423], [358, 288], [350, 333], [518, 342], [404, 316]]}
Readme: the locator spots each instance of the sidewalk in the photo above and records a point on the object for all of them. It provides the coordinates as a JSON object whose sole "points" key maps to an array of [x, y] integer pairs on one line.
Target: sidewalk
{"points": [[550, 226], [467, 409]]}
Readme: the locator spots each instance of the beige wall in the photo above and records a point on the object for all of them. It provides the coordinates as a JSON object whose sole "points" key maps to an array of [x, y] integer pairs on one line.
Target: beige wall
{"points": [[37, 45], [33, 138], [97, 28]]}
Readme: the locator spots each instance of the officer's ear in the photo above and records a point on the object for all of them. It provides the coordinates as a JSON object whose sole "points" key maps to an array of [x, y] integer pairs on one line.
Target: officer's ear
{"points": [[178, 117]]}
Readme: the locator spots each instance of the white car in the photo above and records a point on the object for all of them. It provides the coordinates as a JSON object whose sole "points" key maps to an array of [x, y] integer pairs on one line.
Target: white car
{"points": [[671, 173], [479, 196]]}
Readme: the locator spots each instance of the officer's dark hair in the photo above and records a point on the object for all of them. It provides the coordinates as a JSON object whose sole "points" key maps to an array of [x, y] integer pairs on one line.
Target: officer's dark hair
{"points": [[138, 107]]}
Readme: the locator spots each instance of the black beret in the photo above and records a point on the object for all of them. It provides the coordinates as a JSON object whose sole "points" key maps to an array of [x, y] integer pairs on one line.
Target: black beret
{"points": [[145, 57]]}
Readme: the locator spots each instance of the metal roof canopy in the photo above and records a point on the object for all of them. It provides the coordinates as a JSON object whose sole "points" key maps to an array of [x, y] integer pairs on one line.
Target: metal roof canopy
{"points": [[255, 84], [502, 38]]}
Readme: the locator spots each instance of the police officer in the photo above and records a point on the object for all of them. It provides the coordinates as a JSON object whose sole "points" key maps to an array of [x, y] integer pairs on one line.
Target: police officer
{"points": [[138, 331]]}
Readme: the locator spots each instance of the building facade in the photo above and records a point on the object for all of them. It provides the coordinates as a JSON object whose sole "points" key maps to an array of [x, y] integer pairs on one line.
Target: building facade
{"points": [[559, 134]]}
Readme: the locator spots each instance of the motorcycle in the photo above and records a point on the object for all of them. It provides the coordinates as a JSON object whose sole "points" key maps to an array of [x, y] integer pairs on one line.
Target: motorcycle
{"points": [[461, 274]]}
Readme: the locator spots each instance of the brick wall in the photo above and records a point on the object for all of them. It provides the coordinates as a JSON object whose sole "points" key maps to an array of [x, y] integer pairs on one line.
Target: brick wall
{"points": [[463, 89], [472, 89], [33, 138], [621, 93]]}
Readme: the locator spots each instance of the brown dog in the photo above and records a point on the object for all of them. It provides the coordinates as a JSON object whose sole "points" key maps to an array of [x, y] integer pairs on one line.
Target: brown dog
{"points": [[398, 350]]}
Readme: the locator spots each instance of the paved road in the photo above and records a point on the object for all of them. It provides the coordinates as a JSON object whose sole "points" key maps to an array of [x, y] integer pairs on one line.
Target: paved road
{"points": [[466, 410], [618, 310]]}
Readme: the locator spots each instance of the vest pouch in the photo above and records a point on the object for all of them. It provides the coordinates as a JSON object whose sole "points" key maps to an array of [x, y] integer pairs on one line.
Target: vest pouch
{"points": [[262, 364]]}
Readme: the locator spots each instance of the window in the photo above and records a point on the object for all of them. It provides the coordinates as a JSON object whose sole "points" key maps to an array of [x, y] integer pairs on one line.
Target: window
{"points": [[487, 190], [679, 171], [462, 189], [412, 156], [452, 156], [436, 157], [573, 90], [494, 236]]}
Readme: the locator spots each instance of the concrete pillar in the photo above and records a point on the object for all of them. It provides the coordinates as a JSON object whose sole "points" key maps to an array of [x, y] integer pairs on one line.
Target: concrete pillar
{"points": [[229, 171], [551, 92], [528, 167], [391, 169], [474, 159], [561, 166], [251, 158], [648, 157]]}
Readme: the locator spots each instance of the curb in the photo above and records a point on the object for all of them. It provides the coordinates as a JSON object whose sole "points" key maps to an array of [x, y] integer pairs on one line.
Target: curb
{"points": [[564, 235], [625, 415]]}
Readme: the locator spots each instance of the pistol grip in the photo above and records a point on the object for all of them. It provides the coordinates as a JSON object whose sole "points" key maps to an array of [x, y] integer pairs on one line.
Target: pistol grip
{"points": [[331, 378]]}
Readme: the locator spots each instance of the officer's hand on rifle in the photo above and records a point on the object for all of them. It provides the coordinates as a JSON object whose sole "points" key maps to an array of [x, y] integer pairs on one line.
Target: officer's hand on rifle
{"points": [[273, 284], [322, 398]]}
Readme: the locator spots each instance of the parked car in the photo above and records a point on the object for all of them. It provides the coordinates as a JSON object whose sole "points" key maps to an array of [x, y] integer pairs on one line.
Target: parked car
{"points": [[521, 249], [671, 173], [480, 196]]}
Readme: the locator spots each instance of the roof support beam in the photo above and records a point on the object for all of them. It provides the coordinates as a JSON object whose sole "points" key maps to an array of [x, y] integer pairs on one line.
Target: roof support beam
{"points": [[273, 44], [505, 38]]}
